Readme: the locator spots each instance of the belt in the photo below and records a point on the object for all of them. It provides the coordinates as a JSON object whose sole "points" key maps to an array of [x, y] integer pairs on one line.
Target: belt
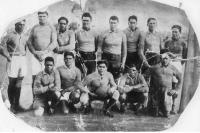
{"points": [[82, 52], [17, 54]]}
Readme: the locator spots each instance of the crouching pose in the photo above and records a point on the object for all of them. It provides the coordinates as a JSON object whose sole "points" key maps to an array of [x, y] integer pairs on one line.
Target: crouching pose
{"points": [[102, 87], [161, 91], [133, 89], [70, 83], [46, 88]]}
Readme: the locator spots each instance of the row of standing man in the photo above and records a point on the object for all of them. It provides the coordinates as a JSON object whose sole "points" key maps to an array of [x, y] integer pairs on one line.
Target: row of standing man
{"points": [[121, 49]]}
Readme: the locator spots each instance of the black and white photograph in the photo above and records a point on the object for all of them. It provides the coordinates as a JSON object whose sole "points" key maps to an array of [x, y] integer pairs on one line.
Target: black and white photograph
{"points": [[100, 65]]}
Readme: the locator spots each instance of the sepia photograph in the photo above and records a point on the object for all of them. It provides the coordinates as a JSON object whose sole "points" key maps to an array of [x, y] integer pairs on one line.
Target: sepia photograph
{"points": [[100, 65]]}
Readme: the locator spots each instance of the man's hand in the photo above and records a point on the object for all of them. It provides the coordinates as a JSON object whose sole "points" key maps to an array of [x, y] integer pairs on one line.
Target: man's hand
{"points": [[172, 92], [9, 59], [38, 56], [92, 94], [122, 67]]}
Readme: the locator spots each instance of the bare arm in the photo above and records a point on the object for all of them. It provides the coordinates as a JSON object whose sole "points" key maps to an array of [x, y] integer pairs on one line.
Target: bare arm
{"points": [[53, 42], [71, 45], [124, 49], [178, 75], [3, 49], [112, 82], [30, 42], [141, 50]]}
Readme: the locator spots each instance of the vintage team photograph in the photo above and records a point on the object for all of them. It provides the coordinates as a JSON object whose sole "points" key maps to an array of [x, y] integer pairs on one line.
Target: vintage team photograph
{"points": [[100, 65]]}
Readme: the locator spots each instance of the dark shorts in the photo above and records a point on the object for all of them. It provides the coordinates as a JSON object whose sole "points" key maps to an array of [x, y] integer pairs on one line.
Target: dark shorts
{"points": [[133, 58], [42, 99], [135, 97], [89, 58], [114, 63]]}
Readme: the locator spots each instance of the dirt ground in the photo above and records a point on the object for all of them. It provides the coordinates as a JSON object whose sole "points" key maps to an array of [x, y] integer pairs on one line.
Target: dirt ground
{"points": [[97, 122]]}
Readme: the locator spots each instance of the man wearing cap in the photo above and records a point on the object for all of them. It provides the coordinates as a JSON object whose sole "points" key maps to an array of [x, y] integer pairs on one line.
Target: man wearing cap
{"points": [[70, 83], [46, 88], [65, 39], [87, 43], [133, 89], [101, 86], [13, 47], [113, 46], [42, 41], [161, 91]]}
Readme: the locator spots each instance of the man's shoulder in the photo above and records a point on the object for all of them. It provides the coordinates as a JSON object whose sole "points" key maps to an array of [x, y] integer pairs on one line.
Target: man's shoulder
{"points": [[40, 74], [108, 74]]}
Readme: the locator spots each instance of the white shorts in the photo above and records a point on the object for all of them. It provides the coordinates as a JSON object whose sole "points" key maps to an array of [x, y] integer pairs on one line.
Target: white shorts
{"points": [[65, 96], [17, 67], [59, 60], [178, 65], [39, 66]]}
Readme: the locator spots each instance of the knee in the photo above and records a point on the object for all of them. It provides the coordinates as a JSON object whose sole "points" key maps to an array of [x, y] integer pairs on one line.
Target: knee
{"points": [[122, 97], [18, 83], [115, 95], [84, 98], [39, 111], [74, 97]]}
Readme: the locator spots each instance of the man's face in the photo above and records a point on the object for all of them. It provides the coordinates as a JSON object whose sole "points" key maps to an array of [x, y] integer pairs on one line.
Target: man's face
{"points": [[152, 24], [113, 24], [102, 68], [86, 21], [49, 66], [62, 25], [175, 33], [132, 24], [132, 71], [165, 60], [42, 18], [20, 27], [69, 60]]}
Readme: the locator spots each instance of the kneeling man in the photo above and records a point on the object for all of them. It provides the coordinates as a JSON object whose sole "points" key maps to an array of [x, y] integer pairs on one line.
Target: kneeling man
{"points": [[71, 84], [133, 89], [101, 86], [46, 88]]}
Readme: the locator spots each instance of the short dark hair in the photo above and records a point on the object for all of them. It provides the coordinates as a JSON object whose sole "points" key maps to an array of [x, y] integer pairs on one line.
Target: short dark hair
{"points": [[149, 19], [63, 18], [68, 53], [49, 59], [102, 62], [86, 14], [43, 12], [114, 18], [178, 27], [132, 17]]}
